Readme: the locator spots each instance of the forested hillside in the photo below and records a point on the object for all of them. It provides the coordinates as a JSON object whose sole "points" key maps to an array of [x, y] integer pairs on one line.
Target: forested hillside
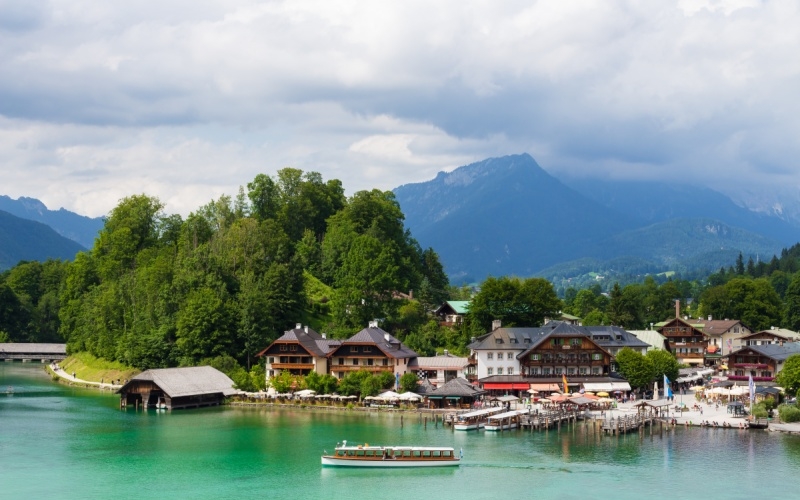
{"points": [[157, 290]]}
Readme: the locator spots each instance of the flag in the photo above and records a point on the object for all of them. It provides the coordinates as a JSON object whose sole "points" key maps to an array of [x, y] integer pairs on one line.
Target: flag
{"points": [[667, 388], [752, 387], [564, 379]]}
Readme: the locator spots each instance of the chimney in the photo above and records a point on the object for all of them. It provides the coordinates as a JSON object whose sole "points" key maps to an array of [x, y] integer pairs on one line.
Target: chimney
{"points": [[496, 324], [324, 335], [373, 324], [709, 317], [298, 326], [446, 352], [387, 337], [305, 328], [677, 308]]}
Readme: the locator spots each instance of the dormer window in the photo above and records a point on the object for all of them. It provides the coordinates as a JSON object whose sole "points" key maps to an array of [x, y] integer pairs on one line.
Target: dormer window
{"points": [[354, 348], [498, 341]]}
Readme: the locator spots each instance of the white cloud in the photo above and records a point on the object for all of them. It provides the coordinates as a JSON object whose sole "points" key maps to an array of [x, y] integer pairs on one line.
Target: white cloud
{"points": [[187, 100]]}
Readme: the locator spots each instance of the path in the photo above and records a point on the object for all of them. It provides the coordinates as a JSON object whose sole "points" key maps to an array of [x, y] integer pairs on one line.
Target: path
{"points": [[69, 377]]}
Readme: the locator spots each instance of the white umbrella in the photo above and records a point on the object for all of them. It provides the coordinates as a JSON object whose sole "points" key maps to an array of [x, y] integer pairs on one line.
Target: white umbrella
{"points": [[410, 396], [738, 391], [389, 395], [305, 393]]}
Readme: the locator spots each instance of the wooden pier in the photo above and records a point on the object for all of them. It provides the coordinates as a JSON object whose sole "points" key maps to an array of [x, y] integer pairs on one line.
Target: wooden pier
{"points": [[628, 423]]}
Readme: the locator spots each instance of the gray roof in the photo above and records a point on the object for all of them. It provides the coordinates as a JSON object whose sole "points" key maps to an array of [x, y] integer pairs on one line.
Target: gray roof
{"points": [[652, 337], [614, 336], [509, 339], [384, 341], [189, 381], [456, 387], [774, 351], [439, 362], [311, 341], [25, 347]]}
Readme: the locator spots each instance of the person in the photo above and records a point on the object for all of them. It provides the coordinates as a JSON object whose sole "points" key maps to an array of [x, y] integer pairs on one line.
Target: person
{"points": [[701, 410], [73, 374]]}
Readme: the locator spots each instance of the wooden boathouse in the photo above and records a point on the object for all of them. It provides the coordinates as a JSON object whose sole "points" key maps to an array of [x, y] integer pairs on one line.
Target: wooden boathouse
{"points": [[27, 352], [175, 388]]}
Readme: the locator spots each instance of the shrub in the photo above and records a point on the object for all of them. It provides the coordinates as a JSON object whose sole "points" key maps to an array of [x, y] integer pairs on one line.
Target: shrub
{"points": [[789, 413], [760, 410]]}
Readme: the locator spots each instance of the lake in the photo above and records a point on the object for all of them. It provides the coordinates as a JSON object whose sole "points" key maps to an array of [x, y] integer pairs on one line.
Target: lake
{"points": [[62, 442]]}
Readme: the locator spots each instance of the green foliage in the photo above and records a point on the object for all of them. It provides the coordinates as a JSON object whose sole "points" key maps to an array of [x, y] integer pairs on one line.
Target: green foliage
{"points": [[514, 302], [351, 384], [789, 413], [760, 410], [409, 382], [285, 382], [637, 369], [789, 376], [664, 363]]}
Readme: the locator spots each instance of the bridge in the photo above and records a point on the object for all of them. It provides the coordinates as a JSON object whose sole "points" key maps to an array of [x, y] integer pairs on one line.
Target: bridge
{"points": [[32, 352]]}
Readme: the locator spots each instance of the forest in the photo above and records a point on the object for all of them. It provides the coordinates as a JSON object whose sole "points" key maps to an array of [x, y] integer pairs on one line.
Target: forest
{"points": [[157, 290]]}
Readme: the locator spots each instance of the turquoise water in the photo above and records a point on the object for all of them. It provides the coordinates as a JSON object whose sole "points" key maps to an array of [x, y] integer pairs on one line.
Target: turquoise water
{"points": [[59, 442]]}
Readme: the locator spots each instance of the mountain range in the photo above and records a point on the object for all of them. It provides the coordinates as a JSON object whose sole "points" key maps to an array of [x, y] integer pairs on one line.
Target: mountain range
{"points": [[24, 239], [508, 216]]}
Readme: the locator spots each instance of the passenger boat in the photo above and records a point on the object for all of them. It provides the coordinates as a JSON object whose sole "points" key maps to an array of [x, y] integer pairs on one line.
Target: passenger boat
{"points": [[390, 456], [505, 421], [475, 419]]}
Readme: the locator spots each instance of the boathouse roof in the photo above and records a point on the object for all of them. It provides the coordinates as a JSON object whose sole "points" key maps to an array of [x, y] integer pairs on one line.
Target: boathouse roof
{"points": [[188, 381]]}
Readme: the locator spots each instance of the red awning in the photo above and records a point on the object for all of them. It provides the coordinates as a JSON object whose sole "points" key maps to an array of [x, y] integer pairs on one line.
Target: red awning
{"points": [[506, 386]]}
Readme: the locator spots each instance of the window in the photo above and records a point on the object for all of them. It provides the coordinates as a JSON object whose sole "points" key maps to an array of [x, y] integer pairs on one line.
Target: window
{"points": [[596, 370], [510, 370], [341, 361], [489, 355], [385, 362], [596, 356], [353, 348], [583, 370], [575, 341], [283, 347], [500, 371], [546, 370], [536, 357], [570, 371], [536, 370], [367, 348], [355, 361], [370, 361], [559, 370], [510, 355], [489, 371], [558, 341], [293, 348]]}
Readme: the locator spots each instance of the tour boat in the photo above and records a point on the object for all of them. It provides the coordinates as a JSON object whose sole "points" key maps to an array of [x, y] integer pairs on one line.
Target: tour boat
{"points": [[390, 456], [505, 421], [475, 419]]}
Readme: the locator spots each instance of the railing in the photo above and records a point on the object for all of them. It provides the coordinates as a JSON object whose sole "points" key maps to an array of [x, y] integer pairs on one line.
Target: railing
{"points": [[292, 366], [747, 377]]}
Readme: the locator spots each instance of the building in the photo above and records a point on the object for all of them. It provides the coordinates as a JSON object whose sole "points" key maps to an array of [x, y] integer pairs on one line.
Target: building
{"points": [[562, 349], [766, 337], [371, 349], [614, 338], [762, 362], [651, 337], [495, 353], [440, 369], [686, 341], [723, 335], [452, 312], [299, 351], [175, 388]]}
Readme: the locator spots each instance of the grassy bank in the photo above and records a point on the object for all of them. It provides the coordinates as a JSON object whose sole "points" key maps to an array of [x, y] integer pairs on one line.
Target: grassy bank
{"points": [[92, 369]]}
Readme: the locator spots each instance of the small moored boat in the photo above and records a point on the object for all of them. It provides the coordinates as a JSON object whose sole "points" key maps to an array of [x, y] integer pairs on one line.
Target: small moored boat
{"points": [[475, 419], [505, 421], [391, 456]]}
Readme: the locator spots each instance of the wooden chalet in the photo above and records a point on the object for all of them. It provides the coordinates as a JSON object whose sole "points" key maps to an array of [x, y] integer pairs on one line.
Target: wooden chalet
{"points": [[452, 312], [762, 362], [766, 337], [686, 341], [299, 351], [371, 349], [563, 349], [175, 388]]}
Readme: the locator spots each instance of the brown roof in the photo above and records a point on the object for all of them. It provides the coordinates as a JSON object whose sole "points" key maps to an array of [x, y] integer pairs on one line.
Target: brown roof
{"points": [[719, 326]]}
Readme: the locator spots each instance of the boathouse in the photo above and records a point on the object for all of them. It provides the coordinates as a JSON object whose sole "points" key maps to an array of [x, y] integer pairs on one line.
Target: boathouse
{"points": [[175, 388]]}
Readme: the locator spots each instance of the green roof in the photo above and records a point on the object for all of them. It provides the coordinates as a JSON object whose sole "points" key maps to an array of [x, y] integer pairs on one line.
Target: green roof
{"points": [[459, 306]]}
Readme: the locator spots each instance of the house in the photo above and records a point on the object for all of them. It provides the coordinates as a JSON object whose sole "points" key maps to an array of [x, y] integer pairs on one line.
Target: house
{"points": [[371, 349], [452, 312], [562, 349], [495, 353], [766, 337], [762, 362], [174, 388], [651, 337], [440, 369], [614, 338], [565, 318], [686, 341], [723, 335], [298, 351]]}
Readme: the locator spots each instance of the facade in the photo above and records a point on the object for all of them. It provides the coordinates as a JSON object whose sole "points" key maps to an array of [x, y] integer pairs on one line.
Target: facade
{"points": [[452, 312], [299, 351], [687, 342], [495, 353], [614, 338], [723, 335], [561, 349], [766, 337], [762, 362], [440, 369], [371, 349]]}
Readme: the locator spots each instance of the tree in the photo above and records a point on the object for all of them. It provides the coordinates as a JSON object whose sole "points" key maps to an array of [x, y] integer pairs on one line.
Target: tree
{"points": [[514, 302], [637, 369], [409, 382], [789, 376], [664, 363]]}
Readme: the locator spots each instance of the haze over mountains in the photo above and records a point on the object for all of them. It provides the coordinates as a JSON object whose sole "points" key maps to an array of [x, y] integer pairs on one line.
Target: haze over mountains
{"points": [[507, 216]]}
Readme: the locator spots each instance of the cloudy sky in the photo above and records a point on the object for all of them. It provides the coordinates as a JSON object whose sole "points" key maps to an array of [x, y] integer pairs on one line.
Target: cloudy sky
{"points": [[188, 100]]}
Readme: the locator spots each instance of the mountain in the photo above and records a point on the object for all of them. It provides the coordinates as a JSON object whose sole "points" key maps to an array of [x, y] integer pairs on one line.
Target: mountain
{"points": [[652, 202], [507, 216], [22, 239], [78, 228]]}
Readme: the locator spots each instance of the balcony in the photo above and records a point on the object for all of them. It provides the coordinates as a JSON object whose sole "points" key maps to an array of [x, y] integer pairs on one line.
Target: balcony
{"points": [[292, 366], [751, 366], [747, 377], [355, 368]]}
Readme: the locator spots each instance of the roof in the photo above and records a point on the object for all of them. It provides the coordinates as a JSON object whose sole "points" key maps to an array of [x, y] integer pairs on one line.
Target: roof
{"points": [[457, 306], [439, 362], [719, 326], [189, 381], [384, 341], [26, 347], [313, 342], [777, 332], [617, 337], [456, 387], [651, 337], [773, 351], [509, 339]]}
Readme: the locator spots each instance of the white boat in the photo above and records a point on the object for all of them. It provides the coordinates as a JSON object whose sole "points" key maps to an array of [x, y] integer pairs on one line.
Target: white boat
{"points": [[475, 419], [391, 456], [505, 421]]}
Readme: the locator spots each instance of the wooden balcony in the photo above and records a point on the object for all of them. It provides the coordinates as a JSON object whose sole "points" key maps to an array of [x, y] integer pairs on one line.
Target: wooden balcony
{"points": [[369, 368], [292, 366]]}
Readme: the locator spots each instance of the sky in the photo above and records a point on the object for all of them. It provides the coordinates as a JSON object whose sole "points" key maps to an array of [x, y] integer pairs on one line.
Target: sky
{"points": [[188, 100]]}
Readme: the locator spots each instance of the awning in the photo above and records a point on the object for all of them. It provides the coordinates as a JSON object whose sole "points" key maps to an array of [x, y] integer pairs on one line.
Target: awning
{"points": [[606, 386], [547, 387], [507, 386], [435, 397], [453, 397], [688, 378]]}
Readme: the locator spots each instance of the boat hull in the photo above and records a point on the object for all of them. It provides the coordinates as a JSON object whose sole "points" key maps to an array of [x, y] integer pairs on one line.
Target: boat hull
{"points": [[504, 427], [467, 427], [338, 462]]}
